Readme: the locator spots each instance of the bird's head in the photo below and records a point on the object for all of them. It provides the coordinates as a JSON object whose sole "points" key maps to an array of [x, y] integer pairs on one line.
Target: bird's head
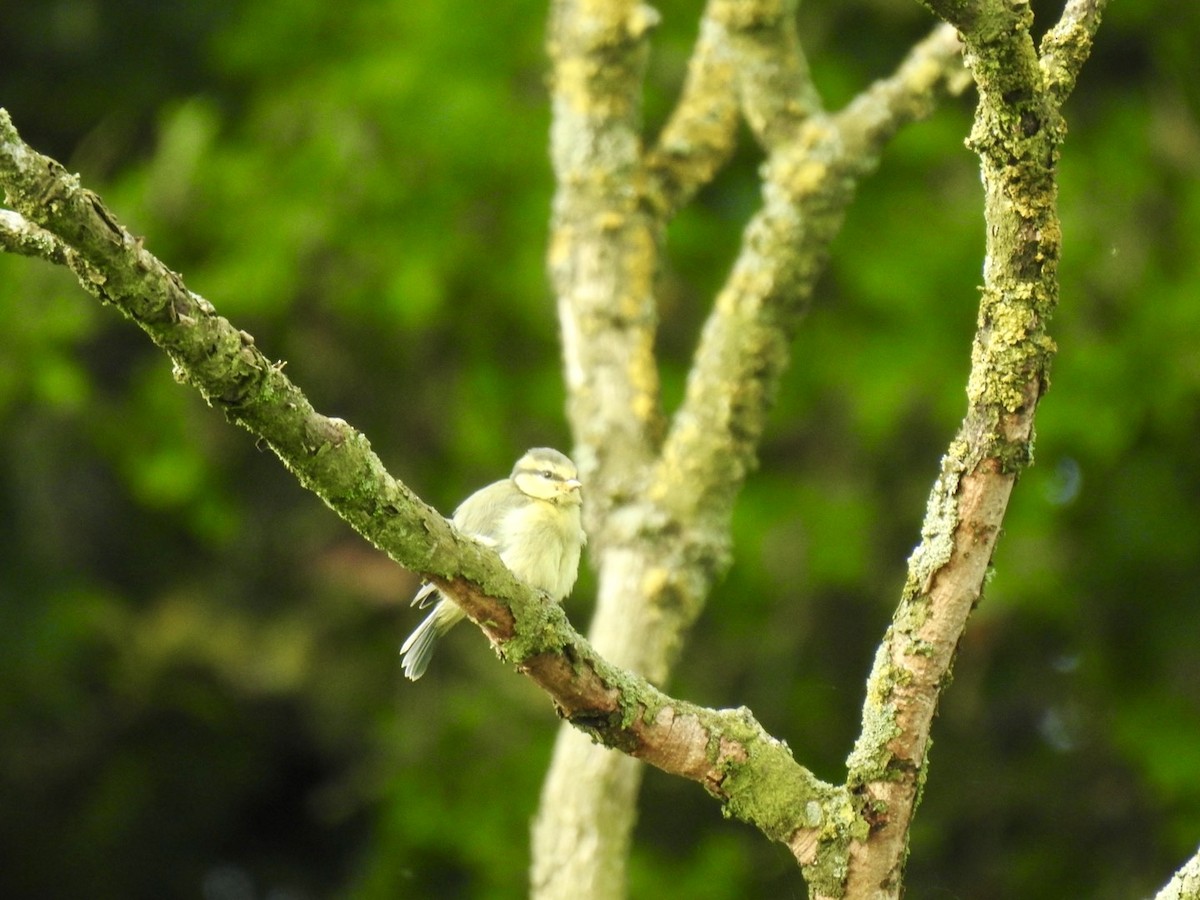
{"points": [[545, 474]]}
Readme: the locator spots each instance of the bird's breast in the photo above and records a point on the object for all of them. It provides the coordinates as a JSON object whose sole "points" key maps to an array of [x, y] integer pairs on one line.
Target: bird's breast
{"points": [[540, 543]]}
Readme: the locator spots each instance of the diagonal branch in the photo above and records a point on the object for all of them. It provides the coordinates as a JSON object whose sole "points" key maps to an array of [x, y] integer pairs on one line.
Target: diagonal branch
{"points": [[701, 134], [1017, 133], [744, 347], [665, 544], [72, 226], [1066, 46], [748, 57], [931, 72], [726, 751], [20, 236], [1184, 884]]}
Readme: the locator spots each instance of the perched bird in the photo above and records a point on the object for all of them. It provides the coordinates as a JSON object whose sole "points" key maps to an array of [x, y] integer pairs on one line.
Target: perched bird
{"points": [[532, 519]]}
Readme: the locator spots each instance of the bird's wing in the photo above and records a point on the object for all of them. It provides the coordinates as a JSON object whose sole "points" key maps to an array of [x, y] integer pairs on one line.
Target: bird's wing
{"points": [[480, 514]]}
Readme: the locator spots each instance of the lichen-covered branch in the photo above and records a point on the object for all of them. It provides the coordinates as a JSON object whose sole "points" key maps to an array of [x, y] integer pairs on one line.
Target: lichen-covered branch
{"points": [[603, 255], [726, 751], [744, 346], [65, 223], [1184, 884], [775, 91], [1065, 47], [603, 258], [20, 236], [931, 72], [661, 525], [747, 59], [1017, 133], [661, 494], [700, 136]]}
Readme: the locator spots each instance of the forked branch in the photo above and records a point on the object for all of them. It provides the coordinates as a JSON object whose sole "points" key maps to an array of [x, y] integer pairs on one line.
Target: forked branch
{"points": [[1017, 133]]}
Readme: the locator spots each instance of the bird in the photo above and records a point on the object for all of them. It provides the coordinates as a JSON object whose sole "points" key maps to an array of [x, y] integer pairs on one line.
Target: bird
{"points": [[533, 520]]}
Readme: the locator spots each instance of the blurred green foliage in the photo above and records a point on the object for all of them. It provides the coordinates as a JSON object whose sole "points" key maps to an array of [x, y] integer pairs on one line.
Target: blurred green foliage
{"points": [[199, 687]]}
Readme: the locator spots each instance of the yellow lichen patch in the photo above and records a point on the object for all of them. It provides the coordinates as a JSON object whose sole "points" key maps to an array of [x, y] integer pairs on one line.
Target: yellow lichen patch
{"points": [[655, 581], [610, 220], [1013, 322]]}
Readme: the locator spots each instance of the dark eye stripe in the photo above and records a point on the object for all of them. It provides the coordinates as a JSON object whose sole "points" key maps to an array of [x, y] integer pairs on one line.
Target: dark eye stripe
{"points": [[539, 469]]}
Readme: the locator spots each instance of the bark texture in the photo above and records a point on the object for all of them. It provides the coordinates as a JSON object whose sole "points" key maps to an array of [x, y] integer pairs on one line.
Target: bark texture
{"points": [[1184, 884], [662, 492], [662, 489], [1017, 133]]}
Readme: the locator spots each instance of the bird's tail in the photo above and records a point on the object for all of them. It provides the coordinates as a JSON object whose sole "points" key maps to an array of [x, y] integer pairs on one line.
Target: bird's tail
{"points": [[417, 650]]}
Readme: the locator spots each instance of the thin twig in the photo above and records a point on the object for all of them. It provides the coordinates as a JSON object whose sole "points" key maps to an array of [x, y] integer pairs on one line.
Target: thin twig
{"points": [[930, 72], [1066, 46], [19, 235], [701, 133]]}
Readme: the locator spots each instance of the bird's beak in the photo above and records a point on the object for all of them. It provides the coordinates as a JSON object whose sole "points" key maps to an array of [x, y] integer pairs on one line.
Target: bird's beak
{"points": [[573, 484]]}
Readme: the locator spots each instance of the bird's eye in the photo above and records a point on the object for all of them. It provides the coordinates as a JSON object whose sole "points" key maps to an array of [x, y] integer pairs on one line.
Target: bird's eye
{"points": [[546, 473]]}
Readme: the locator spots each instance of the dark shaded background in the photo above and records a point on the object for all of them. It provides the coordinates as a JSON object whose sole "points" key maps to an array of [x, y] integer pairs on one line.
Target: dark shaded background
{"points": [[200, 694]]}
